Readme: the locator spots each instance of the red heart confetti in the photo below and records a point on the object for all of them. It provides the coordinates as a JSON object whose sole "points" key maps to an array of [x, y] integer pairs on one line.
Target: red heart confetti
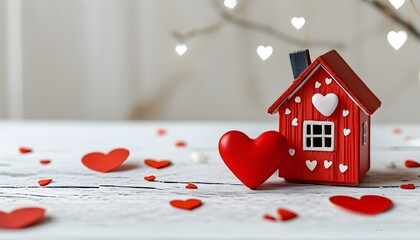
{"points": [[150, 178], [269, 218], [407, 186], [412, 164], [44, 161], [180, 143], [253, 161], [285, 214], [188, 204], [191, 186], [367, 204], [44, 182], [397, 131], [21, 218], [157, 164], [25, 150], [407, 138], [161, 132], [105, 162]]}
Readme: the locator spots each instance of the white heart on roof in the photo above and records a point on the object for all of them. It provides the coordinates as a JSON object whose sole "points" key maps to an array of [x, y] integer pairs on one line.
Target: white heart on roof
{"points": [[327, 104]]}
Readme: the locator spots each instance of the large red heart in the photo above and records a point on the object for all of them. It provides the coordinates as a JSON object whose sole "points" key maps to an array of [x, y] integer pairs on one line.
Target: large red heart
{"points": [[105, 162], [252, 161], [188, 204], [21, 218], [368, 204]]}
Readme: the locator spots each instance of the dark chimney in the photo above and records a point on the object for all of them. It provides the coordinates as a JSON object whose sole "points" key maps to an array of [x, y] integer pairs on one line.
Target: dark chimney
{"points": [[300, 60]]}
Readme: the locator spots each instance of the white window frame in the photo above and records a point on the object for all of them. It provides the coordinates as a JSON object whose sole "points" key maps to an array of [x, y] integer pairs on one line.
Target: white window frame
{"points": [[323, 136], [365, 133]]}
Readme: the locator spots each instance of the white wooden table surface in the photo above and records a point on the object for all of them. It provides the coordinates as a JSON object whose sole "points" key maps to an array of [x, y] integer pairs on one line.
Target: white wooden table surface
{"points": [[81, 203]]}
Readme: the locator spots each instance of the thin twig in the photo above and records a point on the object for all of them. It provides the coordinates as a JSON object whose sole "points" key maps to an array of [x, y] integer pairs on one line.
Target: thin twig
{"points": [[388, 11]]}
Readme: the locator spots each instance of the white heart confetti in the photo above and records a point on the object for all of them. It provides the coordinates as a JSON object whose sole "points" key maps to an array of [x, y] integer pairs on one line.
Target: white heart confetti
{"points": [[345, 113], [230, 3], [343, 168], [346, 131], [327, 104], [264, 52], [327, 164], [397, 39], [297, 99], [292, 151], [298, 22], [287, 111], [295, 122], [181, 49], [311, 164], [317, 84], [397, 3]]}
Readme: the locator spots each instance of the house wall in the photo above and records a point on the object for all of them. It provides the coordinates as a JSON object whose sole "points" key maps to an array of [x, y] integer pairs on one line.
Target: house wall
{"points": [[364, 149], [346, 148]]}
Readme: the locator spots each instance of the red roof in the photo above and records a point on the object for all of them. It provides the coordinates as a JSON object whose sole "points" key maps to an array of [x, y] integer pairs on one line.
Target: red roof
{"points": [[345, 76]]}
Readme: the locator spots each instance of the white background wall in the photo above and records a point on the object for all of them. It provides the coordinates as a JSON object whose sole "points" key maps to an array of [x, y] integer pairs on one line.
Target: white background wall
{"points": [[115, 59]]}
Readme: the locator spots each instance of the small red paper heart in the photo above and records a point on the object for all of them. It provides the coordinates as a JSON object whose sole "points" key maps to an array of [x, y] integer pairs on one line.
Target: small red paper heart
{"points": [[44, 182], [105, 162], [408, 186], [21, 218], [25, 150], [157, 164], [269, 218], [368, 204], [180, 143], [397, 131], [412, 164], [44, 161], [188, 204], [149, 178], [253, 161], [285, 214], [191, 186], [161, 132]]}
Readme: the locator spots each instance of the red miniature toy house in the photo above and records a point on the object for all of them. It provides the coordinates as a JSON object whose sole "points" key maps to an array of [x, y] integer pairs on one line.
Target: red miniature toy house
{"points": [[325, 117]]}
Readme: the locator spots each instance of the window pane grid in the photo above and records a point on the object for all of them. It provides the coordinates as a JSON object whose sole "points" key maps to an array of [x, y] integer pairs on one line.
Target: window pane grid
{"points": [[318, 135]]}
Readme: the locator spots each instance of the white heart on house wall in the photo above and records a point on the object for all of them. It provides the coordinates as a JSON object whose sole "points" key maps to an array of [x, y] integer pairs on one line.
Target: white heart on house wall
{"points": [[328, 81], [264, 52], [317, 84], [327, 164], [397, 39], [343, 168], [292, 151], [345, 113], [327, 104], [311, 164], [297, 99], [298, 22], [346, 131], [287, 111], [295, 122]]}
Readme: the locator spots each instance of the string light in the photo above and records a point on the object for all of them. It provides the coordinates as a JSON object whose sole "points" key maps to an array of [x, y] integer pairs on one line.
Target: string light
{"points": [[264, 52], [298, 22], [397, 3], [231, 4], [181, 49], [397, 39]]}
